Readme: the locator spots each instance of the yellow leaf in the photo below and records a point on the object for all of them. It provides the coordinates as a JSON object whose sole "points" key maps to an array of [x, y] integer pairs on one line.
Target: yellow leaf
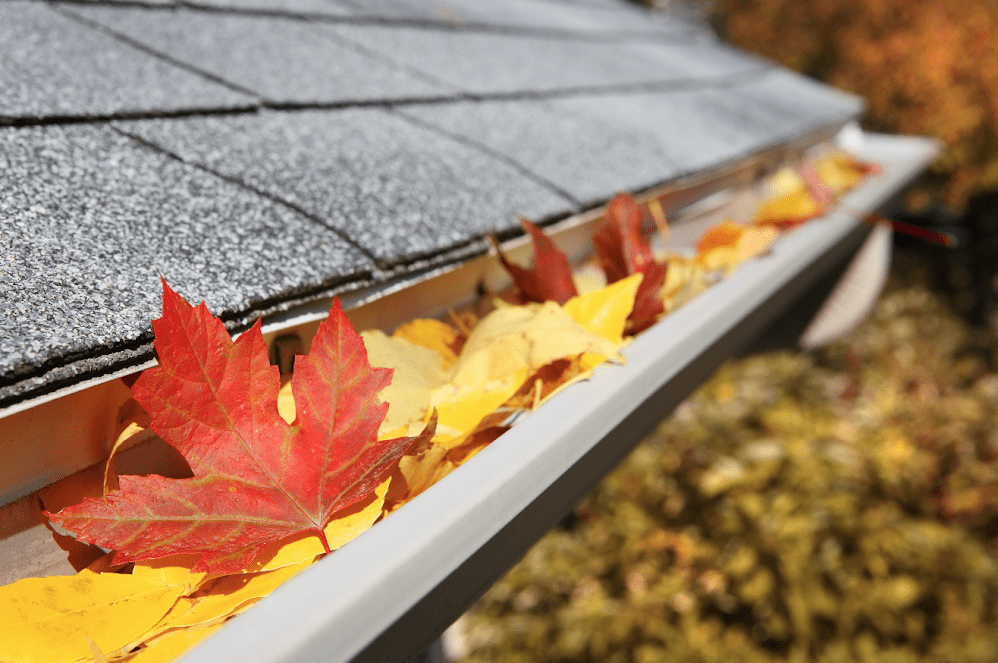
{"points": [[684, 280], [432, 334], [133, 429], [228, 595], [174, 570], [418, 371], [839, 171], [755, 241], [790, 207], [727, 245], [416, 472], [460, 408], [50, 619], [512, 338], [286, 403], [605, 311], [170, 645]]}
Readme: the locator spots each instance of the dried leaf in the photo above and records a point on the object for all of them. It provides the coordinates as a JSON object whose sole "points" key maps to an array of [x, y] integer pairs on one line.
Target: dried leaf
{"points": [[418, 371], [257, 478], [227, 596], [516, 337], [623, 252], [550, 279], [435, 335], [53, 618], [790, 202], [170, 645], [461, 408], [605, 311], [727, 245], [133, 429], [621, 249], [417, 471]]}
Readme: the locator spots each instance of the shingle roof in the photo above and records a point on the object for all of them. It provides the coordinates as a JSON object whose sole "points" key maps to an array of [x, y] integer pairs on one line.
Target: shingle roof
{"points": [[263, 153]]}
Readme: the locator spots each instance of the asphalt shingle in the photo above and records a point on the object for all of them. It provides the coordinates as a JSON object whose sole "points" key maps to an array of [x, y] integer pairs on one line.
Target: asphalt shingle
{"points": [[571, 149], [550, 16], [591, 146], [92, 219], [423, 136], [399, 190], [52, 66], [307, 7], [486, 63], [256, 53]]}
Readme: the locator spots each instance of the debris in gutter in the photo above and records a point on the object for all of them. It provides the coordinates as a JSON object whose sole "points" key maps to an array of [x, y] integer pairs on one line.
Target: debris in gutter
{"points": [[475, 378]]}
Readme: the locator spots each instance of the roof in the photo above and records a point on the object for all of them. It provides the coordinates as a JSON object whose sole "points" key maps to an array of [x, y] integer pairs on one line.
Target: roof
{"points": [[261, 154]]}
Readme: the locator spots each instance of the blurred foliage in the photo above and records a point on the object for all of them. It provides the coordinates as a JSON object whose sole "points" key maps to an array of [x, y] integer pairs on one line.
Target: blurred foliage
{"points": [[840, 505], [928, 67]]}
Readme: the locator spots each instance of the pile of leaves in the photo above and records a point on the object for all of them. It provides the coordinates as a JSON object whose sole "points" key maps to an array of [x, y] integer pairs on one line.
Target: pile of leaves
{"points": [[840, 505], [277, 476]]}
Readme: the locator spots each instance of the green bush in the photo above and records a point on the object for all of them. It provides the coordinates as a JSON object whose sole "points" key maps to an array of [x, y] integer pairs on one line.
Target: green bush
{"points": [[831, 506]]}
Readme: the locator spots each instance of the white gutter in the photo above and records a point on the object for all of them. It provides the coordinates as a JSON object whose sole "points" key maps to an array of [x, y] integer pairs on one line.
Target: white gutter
{"points": [[388, 594]]}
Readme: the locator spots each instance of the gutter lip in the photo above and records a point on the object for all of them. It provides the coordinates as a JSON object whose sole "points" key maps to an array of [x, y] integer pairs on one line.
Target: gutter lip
{"points": [[360, 603]]}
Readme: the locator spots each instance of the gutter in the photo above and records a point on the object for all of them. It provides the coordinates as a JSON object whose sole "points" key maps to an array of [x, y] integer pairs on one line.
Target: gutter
{"points": [[389, 593]]}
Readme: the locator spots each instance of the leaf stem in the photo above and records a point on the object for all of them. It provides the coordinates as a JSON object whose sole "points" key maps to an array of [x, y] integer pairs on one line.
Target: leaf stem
{"points": [[325, 544]]}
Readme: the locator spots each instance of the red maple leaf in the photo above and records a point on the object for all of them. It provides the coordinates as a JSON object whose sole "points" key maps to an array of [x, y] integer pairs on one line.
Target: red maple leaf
{"points": [[622, 252], [257, 479], [551, 276]]}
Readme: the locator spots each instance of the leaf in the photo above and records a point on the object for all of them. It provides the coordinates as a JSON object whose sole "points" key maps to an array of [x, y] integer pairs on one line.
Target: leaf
{"points": [[418, 371], [54, 617], [512, 338], [605, 311], [170, 645], [550, 279], [345, 526], [416, 471], [623, 252], [621, 249], [257, 479], [461, 408], [173, 570], [790, 202], [227, 596], [133, 429], [435, 335], [727, 245], [684, 281]]}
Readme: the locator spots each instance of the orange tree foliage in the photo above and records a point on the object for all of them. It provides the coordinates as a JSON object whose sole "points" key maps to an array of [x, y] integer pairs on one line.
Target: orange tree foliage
{"points": [[928, 67]]}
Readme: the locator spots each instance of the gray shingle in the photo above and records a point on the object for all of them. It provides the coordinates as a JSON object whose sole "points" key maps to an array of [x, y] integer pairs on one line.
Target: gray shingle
{"points": [[506, 63], [585, 155], [311, 7], [594, 145], [257, 53], [92, 219], [700, 129], [529, 14], [399, 190], [52, 66]]}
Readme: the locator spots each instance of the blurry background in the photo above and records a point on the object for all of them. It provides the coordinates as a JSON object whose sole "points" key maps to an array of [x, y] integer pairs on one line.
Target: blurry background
{"points": [[837, 505]]}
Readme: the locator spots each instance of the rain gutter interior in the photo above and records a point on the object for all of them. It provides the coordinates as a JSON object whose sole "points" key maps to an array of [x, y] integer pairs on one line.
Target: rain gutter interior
{"points": [[387, 595]]}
